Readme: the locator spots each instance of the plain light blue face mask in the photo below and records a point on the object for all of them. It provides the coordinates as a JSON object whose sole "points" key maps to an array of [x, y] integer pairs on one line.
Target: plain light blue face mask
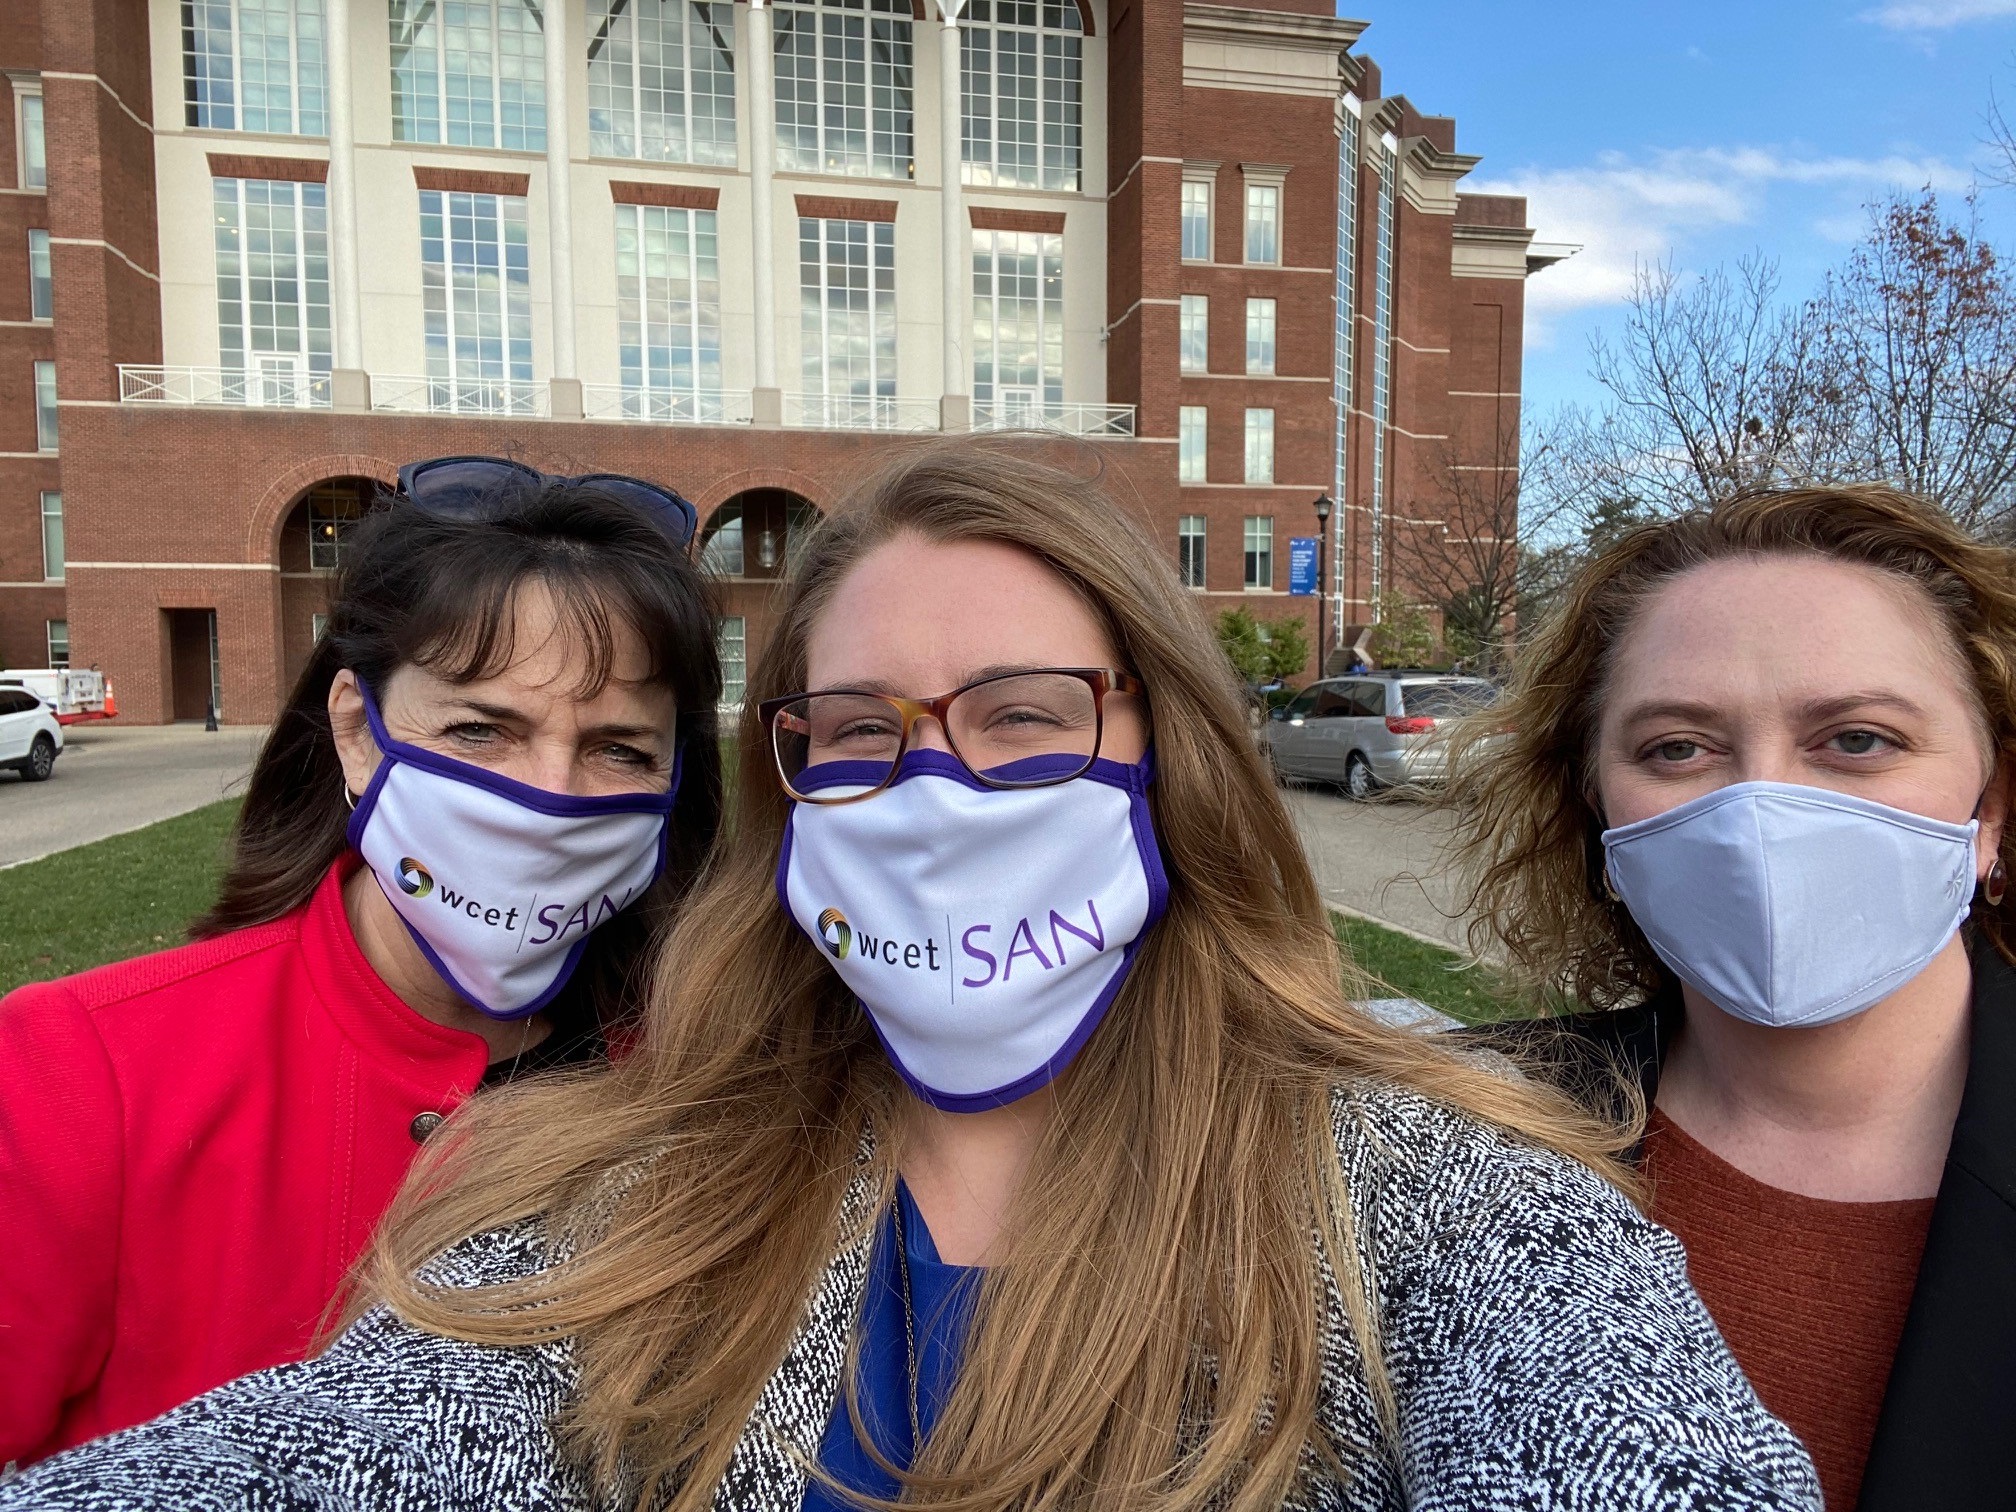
{"points": [[1792, 906]]}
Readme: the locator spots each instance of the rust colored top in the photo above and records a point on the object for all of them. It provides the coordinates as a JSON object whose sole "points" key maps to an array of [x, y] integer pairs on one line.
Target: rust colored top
{"points": [[1810, 1294]]}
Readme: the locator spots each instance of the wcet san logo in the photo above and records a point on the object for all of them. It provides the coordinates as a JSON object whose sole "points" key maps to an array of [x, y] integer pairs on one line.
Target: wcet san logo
{"points": [[834, 931], [414, 879]]}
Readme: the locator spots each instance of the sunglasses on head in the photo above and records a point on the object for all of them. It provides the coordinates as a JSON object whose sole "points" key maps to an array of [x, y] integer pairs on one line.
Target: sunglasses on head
{"points": [[467, 488]]}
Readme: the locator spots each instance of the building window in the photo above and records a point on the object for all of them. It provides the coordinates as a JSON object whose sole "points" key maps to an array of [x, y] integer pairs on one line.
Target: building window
{"points": [[847, 306], [723, 553], [1259, 335], [731, 644], [58, 634], [1259, 551], [1018, 318], [1191, 423], [1383, 231], [34, 164], [843, 87], [1196, 220], [470, 73], [668, 306], [318, 626], [1022, 65], [1259, 446], [1263, 223], [272, 284], [476, 285], [255, 65], [41, 283], [661, 80], [1190, 550], [333, 512], [52, 535], [1196, 333], [45, 406]]}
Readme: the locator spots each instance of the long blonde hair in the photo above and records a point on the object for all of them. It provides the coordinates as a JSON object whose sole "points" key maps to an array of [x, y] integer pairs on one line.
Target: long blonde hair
{"points": [[1153, 1336], [1529, 826]]}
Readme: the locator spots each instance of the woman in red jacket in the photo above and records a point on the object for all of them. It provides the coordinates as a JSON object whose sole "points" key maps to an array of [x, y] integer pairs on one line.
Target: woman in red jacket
{"points": [[481, 803]]}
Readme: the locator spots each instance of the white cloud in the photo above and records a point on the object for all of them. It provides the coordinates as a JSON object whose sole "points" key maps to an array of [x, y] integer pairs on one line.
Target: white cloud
{"points": [[1936, 15], [1626, 211]]}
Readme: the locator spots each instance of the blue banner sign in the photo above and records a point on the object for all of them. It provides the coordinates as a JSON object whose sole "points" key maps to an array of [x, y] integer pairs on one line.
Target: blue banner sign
{"points": [[1302, 564]]}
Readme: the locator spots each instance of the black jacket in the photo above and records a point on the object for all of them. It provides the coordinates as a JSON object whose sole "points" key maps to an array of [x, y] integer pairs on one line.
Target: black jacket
{"points": [[1946, 1438]]}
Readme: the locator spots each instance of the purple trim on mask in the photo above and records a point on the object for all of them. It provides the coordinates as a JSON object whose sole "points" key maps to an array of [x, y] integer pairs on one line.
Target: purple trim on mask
{"points": [[1128, 777], [1035, 1081], [539, 800], [784, 870]]}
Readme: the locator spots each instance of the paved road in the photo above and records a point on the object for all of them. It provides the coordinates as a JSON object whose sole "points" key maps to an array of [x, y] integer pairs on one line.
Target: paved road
{"points": [[1380, 859], [111, 779]]}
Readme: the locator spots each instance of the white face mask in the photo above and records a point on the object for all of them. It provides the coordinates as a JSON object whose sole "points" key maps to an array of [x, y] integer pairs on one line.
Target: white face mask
{"points": [[985, 930], [1791, 906], [501, 883]]}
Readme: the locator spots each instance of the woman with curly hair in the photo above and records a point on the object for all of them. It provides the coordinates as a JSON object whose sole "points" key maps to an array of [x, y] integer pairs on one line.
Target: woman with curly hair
{"points": [[1748, 800]]}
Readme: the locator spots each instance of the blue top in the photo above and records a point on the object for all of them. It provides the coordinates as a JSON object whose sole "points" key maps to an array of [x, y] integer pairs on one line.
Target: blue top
{"points": [[941, 1301]]}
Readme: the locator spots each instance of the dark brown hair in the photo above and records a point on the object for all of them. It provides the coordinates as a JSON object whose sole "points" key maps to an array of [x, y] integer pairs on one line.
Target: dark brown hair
{"points": [[1528, 825], [420, 590]]}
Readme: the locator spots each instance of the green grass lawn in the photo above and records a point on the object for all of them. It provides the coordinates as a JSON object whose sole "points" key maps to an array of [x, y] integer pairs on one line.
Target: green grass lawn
{"points": [[137, 892], [126, 896]]}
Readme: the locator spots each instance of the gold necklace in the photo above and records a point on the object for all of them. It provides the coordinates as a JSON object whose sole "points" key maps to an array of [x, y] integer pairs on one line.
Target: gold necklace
{"points": [[909, 1331]]}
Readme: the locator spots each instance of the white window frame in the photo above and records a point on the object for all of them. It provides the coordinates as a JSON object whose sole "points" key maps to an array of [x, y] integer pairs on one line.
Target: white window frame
{"points": [[887, 132], [31, 135], [1193, 443], [1194, 334], [318, 626], [1259, 446], [41, 276], [1263, 234], [726, 550], [45, 406], [304, 67], [825, 291], [662, 124], [51, 640], [522, 94], [668, 308], [1192, 534], [1200, 187], [1261, 354], [1258, 539], [52, 535], [992, 336], [446, 338], [276, 374], [1049, 53], [731, 646]]}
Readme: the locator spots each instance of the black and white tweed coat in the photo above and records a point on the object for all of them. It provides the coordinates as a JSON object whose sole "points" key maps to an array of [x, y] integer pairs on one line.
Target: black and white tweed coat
{"points": [[1545, 1347]]}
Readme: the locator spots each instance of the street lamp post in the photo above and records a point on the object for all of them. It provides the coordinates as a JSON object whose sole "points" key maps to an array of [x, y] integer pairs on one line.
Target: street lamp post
{"points": [[1323, 507]]}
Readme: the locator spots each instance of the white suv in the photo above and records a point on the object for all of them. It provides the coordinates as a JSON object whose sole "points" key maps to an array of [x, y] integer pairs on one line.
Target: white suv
{"points": [[30, 737]]}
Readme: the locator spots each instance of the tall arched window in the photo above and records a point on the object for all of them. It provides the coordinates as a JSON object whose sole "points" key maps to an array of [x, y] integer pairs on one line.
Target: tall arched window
{"points": [[1023, 63], [661, 80], [843, 87]]}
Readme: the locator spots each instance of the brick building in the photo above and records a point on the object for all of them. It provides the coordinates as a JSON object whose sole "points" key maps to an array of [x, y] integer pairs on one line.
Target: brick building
{"points": [[254, 254]]}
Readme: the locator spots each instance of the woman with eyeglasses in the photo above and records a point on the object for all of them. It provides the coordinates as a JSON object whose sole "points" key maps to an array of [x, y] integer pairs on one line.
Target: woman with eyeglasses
{"points": [[1001, 1136], [490, 786]]}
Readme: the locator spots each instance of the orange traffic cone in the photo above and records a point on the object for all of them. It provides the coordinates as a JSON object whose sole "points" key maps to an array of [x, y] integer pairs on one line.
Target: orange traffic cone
{"points": [[111, 703]]}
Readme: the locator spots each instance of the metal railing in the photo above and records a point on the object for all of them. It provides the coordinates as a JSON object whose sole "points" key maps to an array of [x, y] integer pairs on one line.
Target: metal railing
{"points": [[459, 396], [1071, 419], [267, 388], [880, 412], [615, 401]]}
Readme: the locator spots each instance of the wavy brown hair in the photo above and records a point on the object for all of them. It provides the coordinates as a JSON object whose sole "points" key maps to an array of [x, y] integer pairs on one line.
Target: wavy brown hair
{"points": [[1153, 1335], [1529, 827]]}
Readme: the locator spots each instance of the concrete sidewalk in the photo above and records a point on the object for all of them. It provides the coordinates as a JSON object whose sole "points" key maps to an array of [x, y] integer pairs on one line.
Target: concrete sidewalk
{"points": [[111, 779]]}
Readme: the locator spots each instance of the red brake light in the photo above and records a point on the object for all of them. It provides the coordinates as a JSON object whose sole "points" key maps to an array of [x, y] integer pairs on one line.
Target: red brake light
{"points": [[1418, 724]]}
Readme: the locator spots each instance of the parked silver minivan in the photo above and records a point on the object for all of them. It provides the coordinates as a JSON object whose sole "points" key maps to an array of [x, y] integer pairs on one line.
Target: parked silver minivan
{"points": [[1375, 730]]}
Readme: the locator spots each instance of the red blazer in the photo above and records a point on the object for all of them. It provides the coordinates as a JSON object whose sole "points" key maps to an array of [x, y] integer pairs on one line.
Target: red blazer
{"points": [[194, 1146]]}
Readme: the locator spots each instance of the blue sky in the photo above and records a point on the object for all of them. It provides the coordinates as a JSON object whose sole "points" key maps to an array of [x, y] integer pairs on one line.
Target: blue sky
{"points": [[1699, 132]]}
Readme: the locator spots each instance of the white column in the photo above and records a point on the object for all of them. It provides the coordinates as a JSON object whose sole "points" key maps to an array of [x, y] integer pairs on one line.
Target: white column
{"points": [[350, 388], [566, 384], [767, 403], [955, 410]]}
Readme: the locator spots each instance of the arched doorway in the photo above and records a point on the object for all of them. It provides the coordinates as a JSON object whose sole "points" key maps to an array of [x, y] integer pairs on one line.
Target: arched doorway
{"points": [[747, 545], [311, 547]]}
